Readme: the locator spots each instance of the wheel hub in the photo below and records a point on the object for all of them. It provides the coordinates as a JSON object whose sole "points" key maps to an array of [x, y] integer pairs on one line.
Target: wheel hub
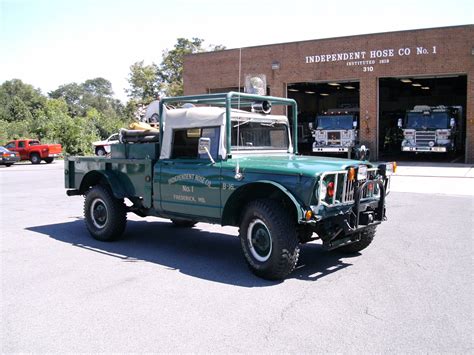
{"points": [[259, 240], [99, 213]]}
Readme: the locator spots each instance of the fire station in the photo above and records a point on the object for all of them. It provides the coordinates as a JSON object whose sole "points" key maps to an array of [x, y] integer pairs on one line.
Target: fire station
{"points": [[382, 76]]}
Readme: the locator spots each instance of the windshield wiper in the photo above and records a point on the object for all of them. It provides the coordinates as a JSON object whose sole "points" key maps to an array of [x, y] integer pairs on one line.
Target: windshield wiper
{"points": [[271, 124], [241, 123]]}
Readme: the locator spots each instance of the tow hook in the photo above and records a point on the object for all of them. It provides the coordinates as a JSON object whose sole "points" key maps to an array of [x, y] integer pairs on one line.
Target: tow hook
{"points": [[366, 218]]}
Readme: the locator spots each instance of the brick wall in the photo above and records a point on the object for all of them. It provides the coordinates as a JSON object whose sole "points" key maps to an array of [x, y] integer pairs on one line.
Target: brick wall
{"points": [[438, 51]]}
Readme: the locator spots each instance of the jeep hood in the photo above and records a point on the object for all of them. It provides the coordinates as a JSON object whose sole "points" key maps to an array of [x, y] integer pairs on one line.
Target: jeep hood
{"points": [[292, 164]]}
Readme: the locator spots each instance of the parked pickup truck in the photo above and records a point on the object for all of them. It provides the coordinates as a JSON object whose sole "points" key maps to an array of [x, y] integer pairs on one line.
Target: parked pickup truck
{"points": [[103, 147], [227, 161], [34, 151]]}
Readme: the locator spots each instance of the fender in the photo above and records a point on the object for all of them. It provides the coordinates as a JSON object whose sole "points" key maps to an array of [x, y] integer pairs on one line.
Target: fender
{"points": [[120, 187], [238, 199], [299, 207]]}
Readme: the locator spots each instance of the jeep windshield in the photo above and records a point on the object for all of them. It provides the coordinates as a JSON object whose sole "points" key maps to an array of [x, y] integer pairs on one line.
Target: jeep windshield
{"points": [[335, 122], [437, 120], [259, 135]]}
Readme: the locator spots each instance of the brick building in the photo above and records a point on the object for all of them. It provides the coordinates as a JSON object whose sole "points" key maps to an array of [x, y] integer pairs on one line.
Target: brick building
{"points": [[382, 74]]}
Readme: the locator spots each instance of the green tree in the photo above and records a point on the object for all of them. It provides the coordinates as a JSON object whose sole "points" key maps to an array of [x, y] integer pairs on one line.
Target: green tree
{"points": [[171, 68], [93, 93], [73, 94], [54, 124], [98, 87], [144, 82], [17, 110], [147, 81], [13, 130], [19, 101]]}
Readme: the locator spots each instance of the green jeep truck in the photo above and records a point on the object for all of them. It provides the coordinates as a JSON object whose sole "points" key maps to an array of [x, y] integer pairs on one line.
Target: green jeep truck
{"points": [[222, 158]]}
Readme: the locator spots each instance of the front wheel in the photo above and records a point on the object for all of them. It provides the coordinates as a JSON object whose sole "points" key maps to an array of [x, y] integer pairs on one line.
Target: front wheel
{"points": [[105, 215], [365, 238], [269, 240], [48, 160]]}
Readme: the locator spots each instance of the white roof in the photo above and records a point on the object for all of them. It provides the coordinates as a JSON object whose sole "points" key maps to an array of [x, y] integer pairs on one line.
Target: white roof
{"points": [[196, 117]]}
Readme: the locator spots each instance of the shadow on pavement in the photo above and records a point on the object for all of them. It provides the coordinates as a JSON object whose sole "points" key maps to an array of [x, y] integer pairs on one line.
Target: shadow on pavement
{"points": [[207, 255]]}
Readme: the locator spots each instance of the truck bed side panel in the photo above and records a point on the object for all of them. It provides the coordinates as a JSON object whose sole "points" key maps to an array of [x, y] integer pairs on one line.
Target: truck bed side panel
{"points": [[129, 177]]}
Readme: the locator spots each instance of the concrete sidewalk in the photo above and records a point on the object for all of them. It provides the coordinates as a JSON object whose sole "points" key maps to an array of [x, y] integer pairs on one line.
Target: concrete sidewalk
{"points": [[435, 170], [434, 178]]}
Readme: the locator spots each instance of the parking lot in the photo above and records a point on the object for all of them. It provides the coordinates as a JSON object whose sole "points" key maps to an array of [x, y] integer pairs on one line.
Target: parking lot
{"points": [[163, 289]]}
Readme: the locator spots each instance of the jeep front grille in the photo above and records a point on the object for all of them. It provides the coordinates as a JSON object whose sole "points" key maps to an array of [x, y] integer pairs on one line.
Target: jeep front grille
{"points": [[423, 138], [344, 190]]}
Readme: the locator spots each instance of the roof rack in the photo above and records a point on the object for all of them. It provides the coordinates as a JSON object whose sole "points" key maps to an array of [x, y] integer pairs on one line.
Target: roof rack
{"points": [[231, 100]]}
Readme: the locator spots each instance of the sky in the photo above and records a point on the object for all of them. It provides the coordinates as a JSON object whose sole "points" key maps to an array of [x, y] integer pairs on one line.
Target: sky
{"points": [[48, 43]]}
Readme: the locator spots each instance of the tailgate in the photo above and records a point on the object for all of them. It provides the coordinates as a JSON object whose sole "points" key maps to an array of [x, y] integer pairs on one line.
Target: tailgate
{"points": [[54, 149]]}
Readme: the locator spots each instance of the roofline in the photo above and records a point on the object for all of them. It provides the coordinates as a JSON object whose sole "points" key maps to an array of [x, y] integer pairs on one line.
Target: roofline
{"points": [[334, 38]]}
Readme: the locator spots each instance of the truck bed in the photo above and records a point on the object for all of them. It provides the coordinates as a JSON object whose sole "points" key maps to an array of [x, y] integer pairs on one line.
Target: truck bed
{"points": [[128, 177]]}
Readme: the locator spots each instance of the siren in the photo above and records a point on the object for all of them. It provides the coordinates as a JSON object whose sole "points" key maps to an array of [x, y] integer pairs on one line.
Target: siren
{"points": [[262, 107]]}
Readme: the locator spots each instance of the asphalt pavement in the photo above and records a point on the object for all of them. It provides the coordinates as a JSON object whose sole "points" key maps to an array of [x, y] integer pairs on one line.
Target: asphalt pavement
{"points": [[168, 290]]}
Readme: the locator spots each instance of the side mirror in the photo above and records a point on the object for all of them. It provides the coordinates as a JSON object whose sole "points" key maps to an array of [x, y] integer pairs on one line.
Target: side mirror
{"points": [[400, 123], [354, 124], [452, 122], [204, 147]]}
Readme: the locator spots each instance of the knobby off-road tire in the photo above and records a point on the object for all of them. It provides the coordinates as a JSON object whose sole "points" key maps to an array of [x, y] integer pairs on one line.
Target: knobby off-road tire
{"points": [[366, 237], [105, 215], [183, 223], [48, 160], [305, 235], [269, 240], [35, 158]]}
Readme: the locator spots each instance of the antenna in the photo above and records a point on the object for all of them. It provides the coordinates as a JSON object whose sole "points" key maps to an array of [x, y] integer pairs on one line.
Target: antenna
{"points": [[240, 74], [238, 175]]}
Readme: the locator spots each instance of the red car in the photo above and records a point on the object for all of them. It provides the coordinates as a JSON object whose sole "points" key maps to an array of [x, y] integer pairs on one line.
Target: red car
{"points": [[34, 151]]}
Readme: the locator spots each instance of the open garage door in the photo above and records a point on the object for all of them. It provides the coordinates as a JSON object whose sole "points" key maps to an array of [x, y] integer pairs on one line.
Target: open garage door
{"points": [[425, 107], [324, 99]]}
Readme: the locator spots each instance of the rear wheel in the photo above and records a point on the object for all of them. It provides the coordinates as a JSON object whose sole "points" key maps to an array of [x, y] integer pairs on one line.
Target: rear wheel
{"points": [[105, 215], [7, 165], [269, 240], [365, 238], [35, 158], [48, 160]]}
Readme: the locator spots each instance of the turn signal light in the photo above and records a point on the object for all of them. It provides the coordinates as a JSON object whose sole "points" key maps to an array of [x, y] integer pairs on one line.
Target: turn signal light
{"points": [[394, 166], [351, 174], [308, 215], [330, 189]]}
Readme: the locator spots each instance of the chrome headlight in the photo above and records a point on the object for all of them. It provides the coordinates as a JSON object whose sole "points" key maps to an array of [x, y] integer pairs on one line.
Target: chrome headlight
{"points": [[362, 172], [321, 188]]}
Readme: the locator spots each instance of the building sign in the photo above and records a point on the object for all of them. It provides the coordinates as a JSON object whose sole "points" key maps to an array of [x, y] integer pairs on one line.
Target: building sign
{"points": [[367, 59]]}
